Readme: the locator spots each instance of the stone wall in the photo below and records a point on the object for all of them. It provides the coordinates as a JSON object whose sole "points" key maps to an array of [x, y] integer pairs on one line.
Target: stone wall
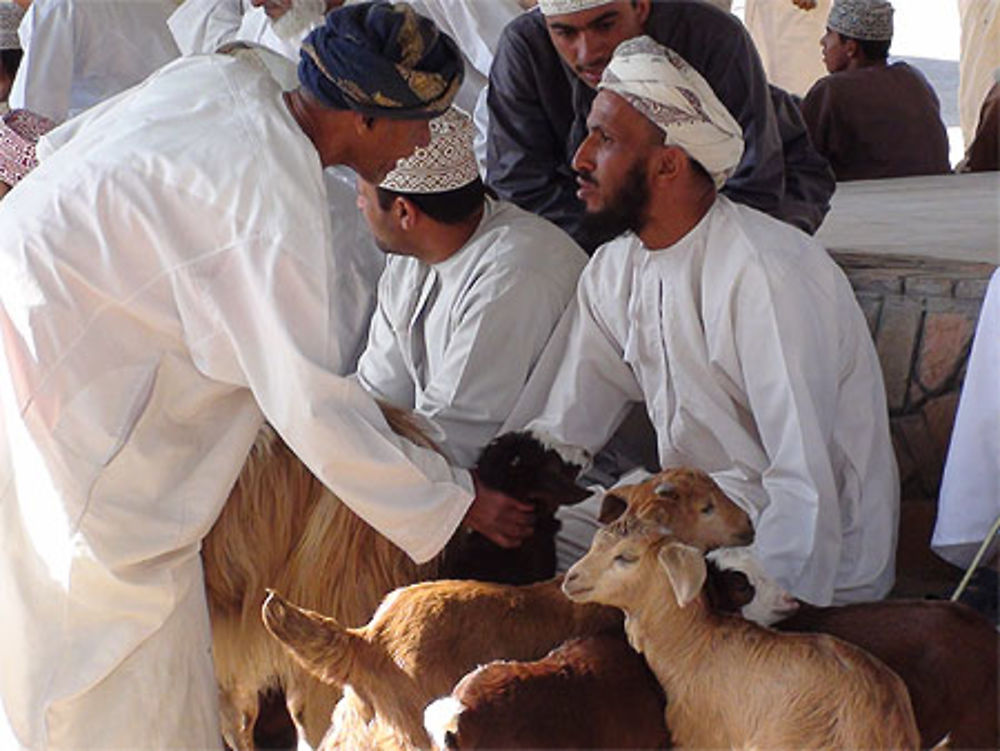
{"points": [[922, 314]]}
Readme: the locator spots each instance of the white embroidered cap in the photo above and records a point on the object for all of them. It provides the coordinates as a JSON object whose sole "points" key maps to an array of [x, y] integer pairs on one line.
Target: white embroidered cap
{"points": [[558, 7], [10, 19], [446, 163], [868, 20], [662, 86]]}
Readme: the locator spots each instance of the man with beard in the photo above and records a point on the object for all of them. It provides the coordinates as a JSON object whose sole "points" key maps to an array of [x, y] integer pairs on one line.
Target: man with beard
{"points": [[739, 333], [166, 289], [542, 84], [468, 277]]}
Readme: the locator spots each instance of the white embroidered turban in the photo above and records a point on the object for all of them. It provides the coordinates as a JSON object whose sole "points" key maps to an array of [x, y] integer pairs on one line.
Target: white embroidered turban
{"points": [[10, 19], [558, 7], [662, 86], [868, 20], [446, 163]]}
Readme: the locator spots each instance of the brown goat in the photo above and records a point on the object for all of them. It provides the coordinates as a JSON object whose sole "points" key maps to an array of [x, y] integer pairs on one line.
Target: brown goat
{"points": [[688, 502], [946, 653], [279, 528], [732, 683], [593, 692], [421, 641]]}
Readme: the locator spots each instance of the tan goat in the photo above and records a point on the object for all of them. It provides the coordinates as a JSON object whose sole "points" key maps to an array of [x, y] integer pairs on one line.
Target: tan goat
{"points": [[425, 637], [282, 528], [731, 683]]}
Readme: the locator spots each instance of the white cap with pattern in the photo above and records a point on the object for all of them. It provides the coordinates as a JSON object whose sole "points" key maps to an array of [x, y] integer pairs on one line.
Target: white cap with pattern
{"points": [[448, 162], [868, 20], [558, 7]]}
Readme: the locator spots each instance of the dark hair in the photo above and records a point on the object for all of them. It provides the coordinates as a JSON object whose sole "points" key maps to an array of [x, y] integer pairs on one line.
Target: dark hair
{"points": [[871, 48], [447, 207], [10, 60]]}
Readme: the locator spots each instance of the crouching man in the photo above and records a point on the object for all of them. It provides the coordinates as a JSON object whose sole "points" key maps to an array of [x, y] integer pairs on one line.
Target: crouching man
{"points": [[471, 292], [166, 286], [739, 333]]}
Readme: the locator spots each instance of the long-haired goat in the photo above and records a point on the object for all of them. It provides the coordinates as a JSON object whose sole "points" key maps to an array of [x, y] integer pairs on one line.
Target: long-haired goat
{"points": [[282, 528], [525, 467], [947, 654], [592, 692], [425, 637], [732, 683]]}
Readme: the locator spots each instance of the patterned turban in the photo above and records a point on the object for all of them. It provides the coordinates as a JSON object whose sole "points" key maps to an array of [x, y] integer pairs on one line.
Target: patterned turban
{"points": [[868, 20], [558, 7], [448, 162], [381, 60], [10, 19], [662, 86]]}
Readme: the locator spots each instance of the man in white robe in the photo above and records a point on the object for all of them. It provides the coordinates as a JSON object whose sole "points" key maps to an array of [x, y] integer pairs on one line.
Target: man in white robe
{"points": [[165, 290], [969, 502], [471, 292], [80, 52], [739, 333]]}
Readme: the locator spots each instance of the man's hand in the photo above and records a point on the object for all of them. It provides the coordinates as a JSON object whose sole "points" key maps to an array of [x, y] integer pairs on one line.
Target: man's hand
{"points": [[498, 517]]}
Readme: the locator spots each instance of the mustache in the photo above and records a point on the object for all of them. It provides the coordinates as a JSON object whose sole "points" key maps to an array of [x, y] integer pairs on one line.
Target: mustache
{"points": [[585, 176]]}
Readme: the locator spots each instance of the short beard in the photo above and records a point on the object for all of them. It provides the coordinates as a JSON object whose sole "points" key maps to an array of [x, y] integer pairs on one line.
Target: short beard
{"points": [[626, 210], [300, 18]]}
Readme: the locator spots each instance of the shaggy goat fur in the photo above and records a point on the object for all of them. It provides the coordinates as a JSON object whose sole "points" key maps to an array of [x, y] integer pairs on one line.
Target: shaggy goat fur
{"points": [[521, 466], [282, 528], [732, 683]]}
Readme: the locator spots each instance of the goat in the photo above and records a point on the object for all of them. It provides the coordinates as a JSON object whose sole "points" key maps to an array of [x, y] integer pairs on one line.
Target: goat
{"points": [[731, 682], [279, 527], [425, 637], [685, 500], [592, 692], [946, 653], [422, 639], [522, 466]]}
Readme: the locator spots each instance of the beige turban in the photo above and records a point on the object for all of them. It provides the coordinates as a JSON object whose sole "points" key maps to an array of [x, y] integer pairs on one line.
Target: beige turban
{"points": [[10, 19], [446, 163], [662, 86], [558, 7]]}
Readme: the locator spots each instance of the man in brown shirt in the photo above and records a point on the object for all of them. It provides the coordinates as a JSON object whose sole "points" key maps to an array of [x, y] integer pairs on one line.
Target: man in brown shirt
{"points": [[869, 118]]}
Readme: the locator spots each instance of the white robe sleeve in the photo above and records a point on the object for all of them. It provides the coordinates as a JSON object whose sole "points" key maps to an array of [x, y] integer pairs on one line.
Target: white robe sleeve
{"points": [[202, 26], [788, 337], [262, 322], [582, 388], [44, 79], [382, 370]]}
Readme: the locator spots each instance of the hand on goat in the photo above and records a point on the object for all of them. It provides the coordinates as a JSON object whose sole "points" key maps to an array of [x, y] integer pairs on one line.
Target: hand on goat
{"points": [[499, 517]]}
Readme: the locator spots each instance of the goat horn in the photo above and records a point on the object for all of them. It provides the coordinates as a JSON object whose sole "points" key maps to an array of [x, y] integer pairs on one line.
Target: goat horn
{"points": [[665, 488]]}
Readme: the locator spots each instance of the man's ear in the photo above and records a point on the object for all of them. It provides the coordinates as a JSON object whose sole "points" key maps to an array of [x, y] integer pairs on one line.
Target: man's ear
{"points": [[852, 48], [668, 163], [363, 124], [406, 213], [643, 7]]}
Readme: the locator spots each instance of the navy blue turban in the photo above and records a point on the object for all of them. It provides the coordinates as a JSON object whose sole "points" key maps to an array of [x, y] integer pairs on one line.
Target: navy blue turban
{"points": [[381, 60]]}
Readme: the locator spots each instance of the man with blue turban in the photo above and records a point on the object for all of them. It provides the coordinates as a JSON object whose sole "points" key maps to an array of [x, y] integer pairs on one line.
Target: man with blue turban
{"points": [[167, 286]]}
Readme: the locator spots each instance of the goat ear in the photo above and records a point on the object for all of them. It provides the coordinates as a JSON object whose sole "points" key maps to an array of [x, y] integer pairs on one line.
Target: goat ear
{"points": [[612, 506], [686, 569]]}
